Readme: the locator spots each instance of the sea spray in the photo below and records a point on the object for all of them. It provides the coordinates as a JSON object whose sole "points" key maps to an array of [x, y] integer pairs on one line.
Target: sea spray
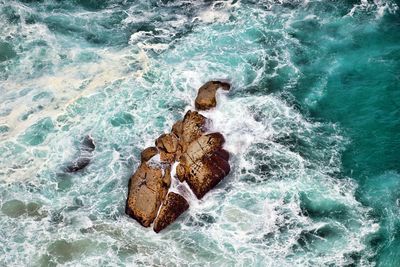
{"points": [[124, 72]]}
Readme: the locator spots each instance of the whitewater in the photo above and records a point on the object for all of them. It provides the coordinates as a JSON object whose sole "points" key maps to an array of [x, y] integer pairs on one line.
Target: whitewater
{"points": [[311, 122]]}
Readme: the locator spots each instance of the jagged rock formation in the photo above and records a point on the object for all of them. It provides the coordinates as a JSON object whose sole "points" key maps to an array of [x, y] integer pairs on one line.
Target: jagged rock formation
{"points": [[203, 163]]}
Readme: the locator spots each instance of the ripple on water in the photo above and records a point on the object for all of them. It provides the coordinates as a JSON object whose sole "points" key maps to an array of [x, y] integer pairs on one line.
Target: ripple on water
{"points": [[125, 77]]}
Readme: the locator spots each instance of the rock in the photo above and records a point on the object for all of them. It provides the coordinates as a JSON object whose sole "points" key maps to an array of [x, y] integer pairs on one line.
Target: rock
{"points": [[167, 157], [181, 172], [148, 153], [84, 157], [167, 142], [88, 144], [193, 126], [223, 154], [201, 146], [147, 189], [206, 173], [204, 164], [167, 177], [177, 129], [171, 209], [206, 95], [168, 145], [77, 164]]}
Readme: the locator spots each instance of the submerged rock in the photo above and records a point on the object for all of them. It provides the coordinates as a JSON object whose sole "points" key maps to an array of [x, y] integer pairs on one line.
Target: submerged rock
{"points": [[203, 163], [88, 144], [206, 95], [15, 208], [84, 157], [77, 165], [171, 209]]}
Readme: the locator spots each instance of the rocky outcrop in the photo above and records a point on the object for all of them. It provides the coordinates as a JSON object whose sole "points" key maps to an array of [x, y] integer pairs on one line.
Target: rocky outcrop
{"points": [[147, 189], [203, 163], [206, 95], [173, 206]]}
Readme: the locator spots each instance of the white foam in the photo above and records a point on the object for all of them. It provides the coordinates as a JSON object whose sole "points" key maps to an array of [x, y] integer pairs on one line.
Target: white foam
{"points": [[209, 16], [380, 7], [253, 217]]}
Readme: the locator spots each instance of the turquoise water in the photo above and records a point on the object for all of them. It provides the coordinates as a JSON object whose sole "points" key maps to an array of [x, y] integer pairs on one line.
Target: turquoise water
{"points": [[312, 123]]}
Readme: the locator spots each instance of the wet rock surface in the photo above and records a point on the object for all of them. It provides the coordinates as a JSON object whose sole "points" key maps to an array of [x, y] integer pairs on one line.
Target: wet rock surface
{"points": [[206, 95], [148, 153], [84, 157], [203, 163], [147, 189], [173, 206]]}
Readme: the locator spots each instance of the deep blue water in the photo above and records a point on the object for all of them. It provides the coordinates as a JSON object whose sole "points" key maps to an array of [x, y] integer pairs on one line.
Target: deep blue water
{"points": [[312, 122]]}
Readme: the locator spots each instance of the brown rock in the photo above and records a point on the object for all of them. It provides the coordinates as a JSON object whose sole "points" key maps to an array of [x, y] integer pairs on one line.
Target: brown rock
{"points": [[206, 173], [167, 143], [177, 129], [168, 146], [167, 177], [148, 153], [193, 126], [202, 146], [171, 209], [204, 164], [180, 172], [147, 189], [167, 157], [206, 95], [223, 154], [178, 152]]}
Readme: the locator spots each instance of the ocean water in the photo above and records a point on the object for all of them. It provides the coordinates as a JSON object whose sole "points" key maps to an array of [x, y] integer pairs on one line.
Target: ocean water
{"points": [[312, 123]]}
